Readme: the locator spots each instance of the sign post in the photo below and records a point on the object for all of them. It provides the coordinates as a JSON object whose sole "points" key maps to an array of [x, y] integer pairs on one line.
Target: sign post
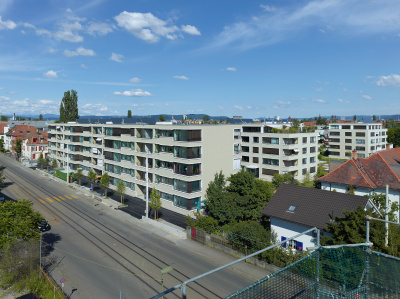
{"points": [[62, 280]]}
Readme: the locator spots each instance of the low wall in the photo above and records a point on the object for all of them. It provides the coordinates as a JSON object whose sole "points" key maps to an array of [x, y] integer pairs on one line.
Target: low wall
{"points": [[165, 227], [221, 244]]}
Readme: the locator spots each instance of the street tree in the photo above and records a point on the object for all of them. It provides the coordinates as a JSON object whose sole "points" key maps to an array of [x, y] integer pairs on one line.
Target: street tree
{"points": [[161, 118], [47, 162], [69, 107], [41, 160], [120, 190], [18, 147], [1, 145], [54, 164], [155, 202], [79, 175], [105, 182], [129, 113], [91, 176]]}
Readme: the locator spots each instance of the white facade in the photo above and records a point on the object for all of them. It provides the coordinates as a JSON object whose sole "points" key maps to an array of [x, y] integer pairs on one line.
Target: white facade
{"points": [[365, 138]]}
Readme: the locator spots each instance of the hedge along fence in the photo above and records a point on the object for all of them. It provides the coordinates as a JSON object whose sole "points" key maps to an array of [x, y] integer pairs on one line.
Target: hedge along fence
{"points": [[63, 175], [222, 244]]}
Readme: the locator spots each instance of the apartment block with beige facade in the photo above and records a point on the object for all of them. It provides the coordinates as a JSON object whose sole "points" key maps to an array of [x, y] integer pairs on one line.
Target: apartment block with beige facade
{"points": [[181, 159], [365, 138], [274, 149]]}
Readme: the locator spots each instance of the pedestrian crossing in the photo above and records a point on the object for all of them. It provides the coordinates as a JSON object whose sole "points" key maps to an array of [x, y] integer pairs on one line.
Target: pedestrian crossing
{"points": [[46, 200]]}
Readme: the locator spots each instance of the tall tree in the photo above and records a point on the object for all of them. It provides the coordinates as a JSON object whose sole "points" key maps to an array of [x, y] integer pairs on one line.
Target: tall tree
{"points": [[1, 144], [69, 107], [129, 113], [155, 202], [40, 117], [105, 182], [54, 164], [393, 136], [47, 162], [373, 117], [91, 176], [161, 118], [120, 190], [295, 123], [206, 117], [41, 160], [355, 117], [79, 175]]}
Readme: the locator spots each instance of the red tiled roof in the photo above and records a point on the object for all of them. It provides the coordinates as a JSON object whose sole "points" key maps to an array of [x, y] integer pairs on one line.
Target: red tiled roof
{"points": [[21, 130], [391, 156], [2, 125], [38, 136], [370, 172]]}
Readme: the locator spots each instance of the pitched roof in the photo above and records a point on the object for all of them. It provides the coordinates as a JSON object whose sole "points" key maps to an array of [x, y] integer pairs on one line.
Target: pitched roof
{"points": [[20, 130], [313, 207], [372, 172]]}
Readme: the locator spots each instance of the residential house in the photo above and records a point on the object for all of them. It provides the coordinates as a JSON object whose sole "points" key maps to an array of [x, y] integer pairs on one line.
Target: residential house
{"points": [[367, 176], [34, 144], [15, 133], [295, 209]]}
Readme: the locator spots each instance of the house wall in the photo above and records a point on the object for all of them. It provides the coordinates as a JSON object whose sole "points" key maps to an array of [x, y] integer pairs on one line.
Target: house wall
{"points": [[394, 195]]}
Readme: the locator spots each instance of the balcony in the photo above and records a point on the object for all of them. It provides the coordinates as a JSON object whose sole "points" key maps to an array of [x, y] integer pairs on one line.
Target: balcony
{"points": [[187, 169]]}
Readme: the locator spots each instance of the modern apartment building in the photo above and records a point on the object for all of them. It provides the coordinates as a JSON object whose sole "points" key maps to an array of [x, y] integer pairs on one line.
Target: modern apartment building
{"points": [[181, 159], [274, 149], [365, 138]]}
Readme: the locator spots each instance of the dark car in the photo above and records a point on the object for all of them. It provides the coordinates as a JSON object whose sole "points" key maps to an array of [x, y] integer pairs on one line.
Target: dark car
{"points": [[43, 226]]}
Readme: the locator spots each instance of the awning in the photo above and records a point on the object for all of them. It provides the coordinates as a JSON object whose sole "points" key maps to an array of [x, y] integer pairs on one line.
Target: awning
{"points": [[296, 150], [252, 166], [99, 139]]}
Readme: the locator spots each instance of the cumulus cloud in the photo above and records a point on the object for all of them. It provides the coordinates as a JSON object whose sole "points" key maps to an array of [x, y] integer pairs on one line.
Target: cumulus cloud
{"points": [[133, 93], [149, 28], [7, 24], [52, 51], [347, 17], [343, 101], [189, 29], [391, 80], [69, 31], [96, 109], [3, 98], [366, 97], [181, 77], [135, 80], [80, 52], [319, 100], [231, 69], [268, 8], [116, 57], [99, 29], [50, 74], [27, 105]]}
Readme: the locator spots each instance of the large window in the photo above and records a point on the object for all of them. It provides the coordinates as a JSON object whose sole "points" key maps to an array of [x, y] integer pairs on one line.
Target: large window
{"points": [[360, 141], [270, 140], [187, 135], [270, 161], [187, 152], [270, 151]]}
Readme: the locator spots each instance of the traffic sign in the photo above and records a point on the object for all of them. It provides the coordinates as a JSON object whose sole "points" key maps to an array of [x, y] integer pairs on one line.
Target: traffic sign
{"points": [[62, 280]]}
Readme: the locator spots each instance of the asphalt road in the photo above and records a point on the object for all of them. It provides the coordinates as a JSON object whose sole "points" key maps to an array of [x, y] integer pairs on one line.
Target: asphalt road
{"points": [[102, 252]]}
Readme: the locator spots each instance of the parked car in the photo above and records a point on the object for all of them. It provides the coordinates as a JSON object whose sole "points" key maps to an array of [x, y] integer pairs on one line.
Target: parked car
{"points": [[43, 226]]}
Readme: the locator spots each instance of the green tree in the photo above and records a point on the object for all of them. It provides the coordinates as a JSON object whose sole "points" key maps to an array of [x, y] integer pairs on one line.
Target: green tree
{"points": [[161, 118], [308, 181], [41, 160], [215, 204], [40, 117], [18, 147], [279, 179], [69, 107], [373, 117], [206, 118], [393, 136], [1, 144], [206, 223], [295, 124], [120, 190], [79, 175], [129, 113], [155, 202], [47, 162], [2, 178], [54, 164], [91, 176], [321, 121], [4, 118], [105, 182], [355, 117]]}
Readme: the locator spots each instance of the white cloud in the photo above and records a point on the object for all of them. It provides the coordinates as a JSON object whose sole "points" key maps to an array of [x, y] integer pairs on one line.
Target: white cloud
{"points": [[282, 102], [50, 74], [319, 100], [99, 29], [346, 17], [238, 107], [69, 31], [135, 80], [3, 98], [391, 80], [7, 24], [189, 29], [181, 77], [27, 105], [84, 66], [318, 89], [150, 28], [1, 88], [52, 51], [231, 69], [268, 8], [46, 102], [116, 57], [80, 52], [366, 97], [343, 101], [69, 10], [133, 93]]}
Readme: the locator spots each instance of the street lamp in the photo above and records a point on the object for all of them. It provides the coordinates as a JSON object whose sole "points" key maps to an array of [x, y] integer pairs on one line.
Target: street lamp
{"points": [[164, 271]]}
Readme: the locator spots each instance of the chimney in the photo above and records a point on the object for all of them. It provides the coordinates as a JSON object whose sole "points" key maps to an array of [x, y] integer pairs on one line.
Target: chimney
{"points": [[387, 146], [354, 154]]}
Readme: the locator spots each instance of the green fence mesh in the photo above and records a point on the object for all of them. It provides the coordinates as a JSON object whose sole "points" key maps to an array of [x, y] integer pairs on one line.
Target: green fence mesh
{"points": [[339, 272]]}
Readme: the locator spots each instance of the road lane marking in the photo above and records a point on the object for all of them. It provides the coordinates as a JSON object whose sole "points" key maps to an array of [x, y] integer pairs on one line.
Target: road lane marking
{"points": [[49, 199], [67, 197], [74, 196], [41, 200], [56, 198], [61, 198]]}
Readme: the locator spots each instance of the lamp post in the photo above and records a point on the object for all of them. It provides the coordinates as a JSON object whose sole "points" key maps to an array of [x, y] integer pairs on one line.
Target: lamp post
{"points": [[164, 271]]}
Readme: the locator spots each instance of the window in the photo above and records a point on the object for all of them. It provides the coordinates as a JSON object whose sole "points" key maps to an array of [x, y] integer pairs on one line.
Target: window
{"points": [[304, 161], [312, 139], [304, 139], [335, 134], [269, 171], [245, 149], [359, 155], [245, 159], [236, 148], [304, 150], [270, 161], [347, 140], [292, 208], [334, 140], [312, 159], [270, 151], [312, 149], [256, 140], [360, 134], [304, 171], [360, 148], [236, 164], [270, 140], [312, 169], [245, 139], [347, 134], [334, 127], [255, 150], [360, 128], [360, 141], [346, 127], [348, 147]]}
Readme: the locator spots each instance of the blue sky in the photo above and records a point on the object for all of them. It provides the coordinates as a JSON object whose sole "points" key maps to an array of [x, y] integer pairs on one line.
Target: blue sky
{"points": [[249, 58]]}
